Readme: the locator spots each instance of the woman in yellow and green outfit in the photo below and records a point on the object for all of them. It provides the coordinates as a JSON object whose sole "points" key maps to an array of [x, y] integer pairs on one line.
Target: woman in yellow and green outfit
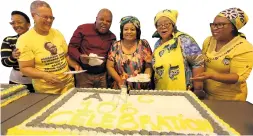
{"points": [[177, 57], [228, 57]]}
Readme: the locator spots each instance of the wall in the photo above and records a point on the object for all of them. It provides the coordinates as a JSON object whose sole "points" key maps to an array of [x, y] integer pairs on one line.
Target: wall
{"points": [[194, 18]]}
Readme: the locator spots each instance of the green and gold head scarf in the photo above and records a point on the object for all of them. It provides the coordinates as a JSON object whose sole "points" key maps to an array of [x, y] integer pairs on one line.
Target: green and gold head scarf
{"points": [[236, 16], [171, 14], [130, 19]]}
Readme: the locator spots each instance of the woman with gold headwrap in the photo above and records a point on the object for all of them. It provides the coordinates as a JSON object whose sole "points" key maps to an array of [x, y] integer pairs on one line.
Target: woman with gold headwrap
{"points": [[177, 57], [228, 57], [130, 55]]}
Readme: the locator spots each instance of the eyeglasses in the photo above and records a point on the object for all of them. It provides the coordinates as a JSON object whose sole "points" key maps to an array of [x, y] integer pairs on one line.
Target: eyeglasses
{"points": [[168, 24], [46, 17], [218, 25], [18, 23]]}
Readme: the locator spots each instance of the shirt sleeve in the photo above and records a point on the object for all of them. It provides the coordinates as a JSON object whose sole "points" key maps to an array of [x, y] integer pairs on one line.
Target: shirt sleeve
{"points": [[242, 65], [74, 44], [147, 52], [112, 52], [26, 52], [157, 44], [206, 45], [191, 51], [6, 54]]}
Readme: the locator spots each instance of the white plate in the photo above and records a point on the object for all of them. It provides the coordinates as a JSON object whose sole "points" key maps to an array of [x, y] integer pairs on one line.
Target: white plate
{"points": [[134, 79], [75, 72], [197, 78], [96, 57]]}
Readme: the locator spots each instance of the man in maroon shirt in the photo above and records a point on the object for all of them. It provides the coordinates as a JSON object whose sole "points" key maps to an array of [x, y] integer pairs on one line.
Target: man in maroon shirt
{"points": [[93, 38]]}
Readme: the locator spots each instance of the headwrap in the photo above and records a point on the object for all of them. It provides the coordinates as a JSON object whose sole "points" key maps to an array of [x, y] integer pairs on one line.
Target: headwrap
{"points": [[171, 14], [236, 16], [130, 19]]}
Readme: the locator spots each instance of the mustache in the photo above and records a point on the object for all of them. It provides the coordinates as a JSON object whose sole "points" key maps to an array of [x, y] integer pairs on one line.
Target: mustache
{"points": [[18, 27]]}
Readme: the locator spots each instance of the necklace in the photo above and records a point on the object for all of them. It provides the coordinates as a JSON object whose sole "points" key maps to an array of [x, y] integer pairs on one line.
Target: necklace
{"points": [[129, 50]]}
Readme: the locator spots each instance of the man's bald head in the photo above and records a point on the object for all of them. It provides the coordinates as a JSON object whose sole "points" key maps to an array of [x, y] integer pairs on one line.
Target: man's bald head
{"points": [[104, 20], [104, 11]]}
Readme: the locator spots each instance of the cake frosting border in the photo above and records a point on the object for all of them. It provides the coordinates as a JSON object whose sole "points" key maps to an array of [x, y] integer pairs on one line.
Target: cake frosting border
{"points": [[11, 89], [194, 99], [14, 98], [204, 106], [36, 126], [12, 92]]}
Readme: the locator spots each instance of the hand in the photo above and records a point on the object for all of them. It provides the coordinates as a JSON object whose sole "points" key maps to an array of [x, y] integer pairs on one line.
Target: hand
{"points": [[202, 76], [15, 54], [147, 56], [149, 74], [51, 79], [84, 58], [78, 68], [134, 74], [120, 83]]}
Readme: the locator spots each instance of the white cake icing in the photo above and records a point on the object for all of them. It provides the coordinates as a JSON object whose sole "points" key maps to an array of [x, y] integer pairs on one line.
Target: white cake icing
{"points": [[88, 112], [142, 105]]}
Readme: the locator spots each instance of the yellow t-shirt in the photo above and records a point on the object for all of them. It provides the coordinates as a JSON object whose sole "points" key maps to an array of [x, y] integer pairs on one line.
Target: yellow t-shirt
{"points": [[234, 57], [49, 55]]}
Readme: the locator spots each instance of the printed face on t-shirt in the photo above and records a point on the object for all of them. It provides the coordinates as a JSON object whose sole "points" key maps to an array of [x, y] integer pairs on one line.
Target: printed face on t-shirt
{"points": [[51, 48]]}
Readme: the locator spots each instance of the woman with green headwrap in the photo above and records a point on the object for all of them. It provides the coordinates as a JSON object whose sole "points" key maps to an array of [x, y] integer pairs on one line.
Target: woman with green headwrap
{"points": [[177, 57], [130, 55], [228, 57]]}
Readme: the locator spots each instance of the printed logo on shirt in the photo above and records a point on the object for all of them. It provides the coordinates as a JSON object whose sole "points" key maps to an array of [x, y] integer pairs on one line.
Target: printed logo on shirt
{"points": [[159, 71], [54, 63], [226, 61], [161, 53], [51, 48], [172, 46], [173, 72]]}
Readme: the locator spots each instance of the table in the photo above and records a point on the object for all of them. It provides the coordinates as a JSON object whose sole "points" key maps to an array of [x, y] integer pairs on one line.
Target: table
{"points": [[238, 114], [18, 111]]}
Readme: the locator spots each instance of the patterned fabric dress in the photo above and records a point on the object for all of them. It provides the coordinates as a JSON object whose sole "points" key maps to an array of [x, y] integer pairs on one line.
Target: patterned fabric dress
{"points": [[127, 65]]}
